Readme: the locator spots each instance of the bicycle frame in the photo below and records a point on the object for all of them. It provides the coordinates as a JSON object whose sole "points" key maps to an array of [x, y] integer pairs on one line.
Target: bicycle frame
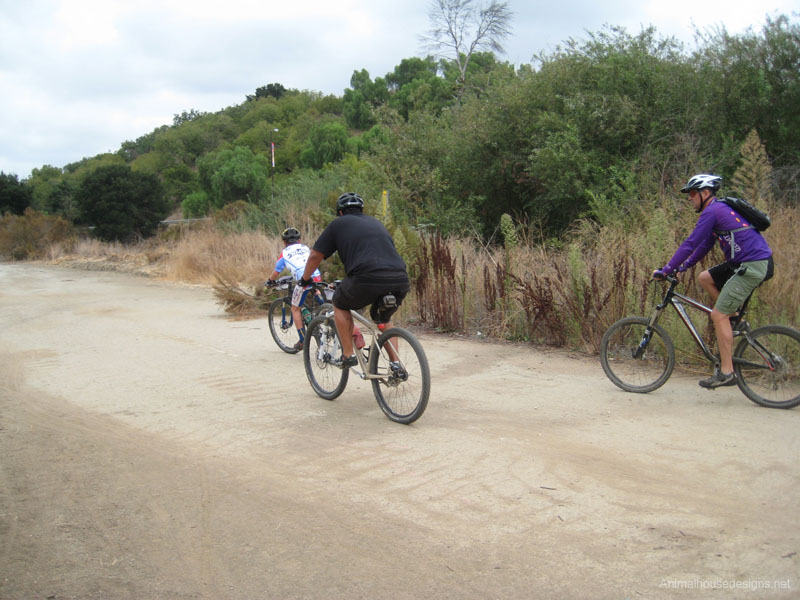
{"points": [[375, 332], [317, 293], [677, 300]]}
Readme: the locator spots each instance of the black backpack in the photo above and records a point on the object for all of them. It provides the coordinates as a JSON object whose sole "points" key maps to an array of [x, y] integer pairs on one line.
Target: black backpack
{"points": [[757, 218]]}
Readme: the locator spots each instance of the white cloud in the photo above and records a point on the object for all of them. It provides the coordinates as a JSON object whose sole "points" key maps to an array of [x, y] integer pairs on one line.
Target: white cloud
{"points": [[79, 77]]}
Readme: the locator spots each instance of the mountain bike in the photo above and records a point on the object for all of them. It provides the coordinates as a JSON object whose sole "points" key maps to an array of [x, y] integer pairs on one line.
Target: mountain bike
{"points": [[281, 320], [637, 354], [394, 362]]}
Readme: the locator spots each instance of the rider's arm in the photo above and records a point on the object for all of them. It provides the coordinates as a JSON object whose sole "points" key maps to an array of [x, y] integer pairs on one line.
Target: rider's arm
{"points": [[279, 266], [698, 253], [696, 246]]}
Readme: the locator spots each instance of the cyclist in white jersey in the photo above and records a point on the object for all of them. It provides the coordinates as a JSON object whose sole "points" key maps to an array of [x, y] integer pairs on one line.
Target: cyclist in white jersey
{"points": [[293, 258]]}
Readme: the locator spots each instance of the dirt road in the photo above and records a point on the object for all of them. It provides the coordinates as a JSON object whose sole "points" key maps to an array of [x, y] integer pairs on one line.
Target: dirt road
{"points": [[152, 448]]}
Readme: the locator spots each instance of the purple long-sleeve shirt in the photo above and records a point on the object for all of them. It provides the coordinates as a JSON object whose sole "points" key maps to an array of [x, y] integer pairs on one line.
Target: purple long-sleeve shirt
{"points": [[749, 244]]}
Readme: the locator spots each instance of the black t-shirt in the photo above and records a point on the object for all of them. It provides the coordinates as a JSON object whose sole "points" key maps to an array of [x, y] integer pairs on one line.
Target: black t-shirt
{"points": [[365, 248]]}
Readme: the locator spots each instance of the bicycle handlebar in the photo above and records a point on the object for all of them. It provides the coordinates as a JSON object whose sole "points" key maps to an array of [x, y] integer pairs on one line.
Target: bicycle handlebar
{"points": [[665, 279]]}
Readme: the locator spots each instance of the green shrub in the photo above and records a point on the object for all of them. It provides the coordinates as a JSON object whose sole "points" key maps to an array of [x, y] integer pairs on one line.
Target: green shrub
{"points": [[120, 203]]}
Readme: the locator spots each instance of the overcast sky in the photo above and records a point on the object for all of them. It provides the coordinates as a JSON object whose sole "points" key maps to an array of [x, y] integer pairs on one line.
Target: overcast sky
{"points": [[79, 77]]}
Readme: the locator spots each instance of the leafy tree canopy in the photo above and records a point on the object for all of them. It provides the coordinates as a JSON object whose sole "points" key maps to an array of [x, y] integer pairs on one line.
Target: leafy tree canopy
{"points": [[234, 174], [120, 203], [589, 128], [271, 90], [15, 196]]}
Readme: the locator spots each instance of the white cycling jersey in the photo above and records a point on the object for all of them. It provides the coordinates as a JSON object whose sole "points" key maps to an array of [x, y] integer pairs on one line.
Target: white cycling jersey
{"points": [[294, 258]]}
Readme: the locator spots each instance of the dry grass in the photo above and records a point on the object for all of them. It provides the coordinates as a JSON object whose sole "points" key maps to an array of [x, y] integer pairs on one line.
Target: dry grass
{"points": [[234, 299], [565, 295], [205, 255]]}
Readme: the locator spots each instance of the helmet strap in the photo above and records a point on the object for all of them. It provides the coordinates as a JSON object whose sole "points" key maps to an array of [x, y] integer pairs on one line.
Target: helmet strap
{"points": [[704, 201]]}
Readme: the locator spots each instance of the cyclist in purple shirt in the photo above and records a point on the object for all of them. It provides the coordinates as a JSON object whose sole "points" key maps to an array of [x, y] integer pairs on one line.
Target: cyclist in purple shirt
{"points": [[748, 263]]}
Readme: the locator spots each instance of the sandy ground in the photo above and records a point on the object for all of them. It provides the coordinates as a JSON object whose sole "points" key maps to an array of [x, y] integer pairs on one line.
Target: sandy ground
{"points": [[150, 447]]}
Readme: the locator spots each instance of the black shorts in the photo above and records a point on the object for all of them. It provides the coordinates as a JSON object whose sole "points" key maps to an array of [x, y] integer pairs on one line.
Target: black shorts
{"points": [[354, 294], [722, 272]]}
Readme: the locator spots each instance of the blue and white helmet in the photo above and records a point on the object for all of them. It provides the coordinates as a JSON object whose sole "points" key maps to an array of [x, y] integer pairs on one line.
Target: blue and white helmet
{"points": [[702, 181]]}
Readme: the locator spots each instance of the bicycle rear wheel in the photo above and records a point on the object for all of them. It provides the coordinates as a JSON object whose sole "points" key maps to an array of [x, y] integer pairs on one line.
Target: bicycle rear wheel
{"points": [[281, 326], [773, 378], [405, 384], [321, 348], [632, 362]]}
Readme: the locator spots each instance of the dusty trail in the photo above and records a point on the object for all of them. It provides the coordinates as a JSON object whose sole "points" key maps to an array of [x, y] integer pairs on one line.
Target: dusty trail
{"points": [[152, 448]]}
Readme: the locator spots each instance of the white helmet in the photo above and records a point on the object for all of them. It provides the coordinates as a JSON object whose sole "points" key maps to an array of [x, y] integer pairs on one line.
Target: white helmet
{"points": [[702, 181]]}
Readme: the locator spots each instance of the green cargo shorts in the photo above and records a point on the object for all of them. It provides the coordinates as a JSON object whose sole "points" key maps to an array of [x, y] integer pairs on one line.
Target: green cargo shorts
{"points": [[747, 277]]}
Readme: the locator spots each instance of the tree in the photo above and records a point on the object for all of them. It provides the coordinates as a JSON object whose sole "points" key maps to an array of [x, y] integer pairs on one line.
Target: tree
{"points": [[365, 95], [459, 29], [231, 175], [15, 196], [179, 181], [274, 90], [185, 117], [120, 203], [326, 143], [195, 205]]}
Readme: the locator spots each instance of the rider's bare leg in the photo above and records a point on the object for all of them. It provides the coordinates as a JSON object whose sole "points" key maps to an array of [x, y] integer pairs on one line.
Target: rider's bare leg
{"points": [[724, 331], [707, 283], [298, 320], [344, 325]]}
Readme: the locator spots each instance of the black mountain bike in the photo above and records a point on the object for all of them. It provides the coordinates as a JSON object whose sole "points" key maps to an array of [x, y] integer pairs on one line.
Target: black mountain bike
{"points": [[637, 354], [281, 320]]}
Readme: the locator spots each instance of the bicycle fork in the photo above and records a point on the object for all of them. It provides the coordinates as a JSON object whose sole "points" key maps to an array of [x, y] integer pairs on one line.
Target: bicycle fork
{"points": [[648, 333]]}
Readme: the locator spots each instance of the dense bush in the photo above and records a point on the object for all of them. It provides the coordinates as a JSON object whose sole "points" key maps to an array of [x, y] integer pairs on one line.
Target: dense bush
{"points": [[120, 203], [33, 234], [15, 197]]}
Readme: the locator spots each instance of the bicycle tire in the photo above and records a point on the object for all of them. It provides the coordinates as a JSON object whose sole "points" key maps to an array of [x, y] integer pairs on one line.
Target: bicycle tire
{"points": [[281, 326], [319, 351], [322, 309], [403, 391], [777, 387], [638, 375]]}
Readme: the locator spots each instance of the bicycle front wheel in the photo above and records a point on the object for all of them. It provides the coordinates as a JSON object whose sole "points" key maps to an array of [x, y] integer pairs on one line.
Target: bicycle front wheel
{"points": [[320, 349], [631, 360], [771, 375], [281, 326], [322, 309], [405, 383]]}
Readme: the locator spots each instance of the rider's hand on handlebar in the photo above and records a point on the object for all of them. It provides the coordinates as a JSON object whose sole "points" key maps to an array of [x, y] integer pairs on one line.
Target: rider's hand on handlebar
{"points": [[270, 283], [659, 275]]}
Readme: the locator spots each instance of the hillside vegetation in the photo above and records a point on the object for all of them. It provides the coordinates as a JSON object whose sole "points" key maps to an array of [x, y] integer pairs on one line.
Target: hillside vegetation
{"points": [[530, 203]]}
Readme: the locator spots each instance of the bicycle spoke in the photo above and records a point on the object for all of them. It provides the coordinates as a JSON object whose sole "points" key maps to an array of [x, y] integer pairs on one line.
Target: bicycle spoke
{"points": [[321, 348], [281, 326], [634, 358], [404, 386], [771, 374]]}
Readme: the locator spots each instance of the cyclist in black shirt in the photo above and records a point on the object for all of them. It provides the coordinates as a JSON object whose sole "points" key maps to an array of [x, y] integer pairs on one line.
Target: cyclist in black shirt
{"points": [[373, 266]]}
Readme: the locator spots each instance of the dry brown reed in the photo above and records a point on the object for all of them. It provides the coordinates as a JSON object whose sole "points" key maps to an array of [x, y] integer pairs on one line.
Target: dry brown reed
{"points": [[563, 295], [206, 255]]}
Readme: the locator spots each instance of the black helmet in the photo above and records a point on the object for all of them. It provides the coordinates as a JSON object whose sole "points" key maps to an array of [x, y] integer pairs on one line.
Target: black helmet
{"points": [[348, 201], [290, 235], [702, 181]]}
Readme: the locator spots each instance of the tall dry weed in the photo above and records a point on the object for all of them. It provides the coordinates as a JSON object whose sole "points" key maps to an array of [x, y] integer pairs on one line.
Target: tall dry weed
{"points": [[202, 256]]}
